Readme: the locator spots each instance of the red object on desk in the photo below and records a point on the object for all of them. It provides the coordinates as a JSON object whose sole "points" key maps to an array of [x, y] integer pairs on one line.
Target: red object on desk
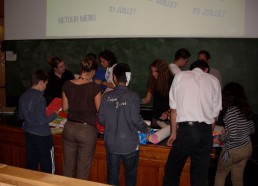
{"points": [[56, 105]]}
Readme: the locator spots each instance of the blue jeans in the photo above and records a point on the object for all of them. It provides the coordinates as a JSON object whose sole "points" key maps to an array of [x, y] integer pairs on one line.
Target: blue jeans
{"points": [[194, 142], [130, 164]]}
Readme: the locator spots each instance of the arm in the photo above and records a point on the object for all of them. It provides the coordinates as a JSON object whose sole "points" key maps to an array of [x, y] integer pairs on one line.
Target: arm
{"points": [[98, 81], [40, 112], [173, 124], [65, 102], [165, 115], [101, 113], [213, 124], [97, 101], [109, 85], [148, 97], [135, 116], [217, 100], [230, 132]]}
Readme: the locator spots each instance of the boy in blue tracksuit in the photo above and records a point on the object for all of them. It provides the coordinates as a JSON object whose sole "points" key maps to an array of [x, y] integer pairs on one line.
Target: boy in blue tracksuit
{"points": [[120, 114]]}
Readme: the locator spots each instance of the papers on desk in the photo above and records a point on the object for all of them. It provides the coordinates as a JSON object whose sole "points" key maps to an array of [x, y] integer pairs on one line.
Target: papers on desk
{"points": [[148, 122], [56, 130], [58, 122], [55, 105]]}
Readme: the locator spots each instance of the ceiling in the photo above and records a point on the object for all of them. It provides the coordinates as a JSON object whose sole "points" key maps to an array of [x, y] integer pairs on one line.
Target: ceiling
{"points": [[1, 9]]}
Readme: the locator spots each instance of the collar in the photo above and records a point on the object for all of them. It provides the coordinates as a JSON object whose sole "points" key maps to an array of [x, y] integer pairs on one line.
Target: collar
{"points": [[38, 91], [121, 87], [198, 70]]}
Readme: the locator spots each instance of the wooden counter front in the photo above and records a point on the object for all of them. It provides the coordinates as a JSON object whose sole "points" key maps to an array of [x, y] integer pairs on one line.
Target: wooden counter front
{"points": [[150, 171]]}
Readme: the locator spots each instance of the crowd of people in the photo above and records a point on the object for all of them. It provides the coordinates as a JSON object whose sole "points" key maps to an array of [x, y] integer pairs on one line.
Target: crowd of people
{"points": [[190, 101]]}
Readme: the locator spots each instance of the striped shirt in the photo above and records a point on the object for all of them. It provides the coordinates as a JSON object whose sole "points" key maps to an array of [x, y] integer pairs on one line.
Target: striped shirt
{"points": [[237, 129]]}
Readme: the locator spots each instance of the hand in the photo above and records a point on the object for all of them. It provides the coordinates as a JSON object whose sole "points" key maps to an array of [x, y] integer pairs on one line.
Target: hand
{"points": [[58, 111], [171, 139], [164, 116], [222, 131], [97, 81]]}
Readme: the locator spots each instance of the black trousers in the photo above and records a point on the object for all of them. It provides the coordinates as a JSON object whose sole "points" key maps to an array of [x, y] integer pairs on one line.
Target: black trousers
{"points": [[40, 151], [195, 142]]}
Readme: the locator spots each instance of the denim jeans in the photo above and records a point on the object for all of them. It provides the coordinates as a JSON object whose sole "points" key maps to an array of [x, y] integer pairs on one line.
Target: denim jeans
{"points": [[194, 142], [130, 164]]}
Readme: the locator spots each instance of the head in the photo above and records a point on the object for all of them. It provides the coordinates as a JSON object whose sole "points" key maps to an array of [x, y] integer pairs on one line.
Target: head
{"points": [[200, 64], [159, 76], [204, 55], [158, 68], [120, 73], [91, 54], [57, 64], [89, 65], [233, 94], [107, 58], [181, 57], [39, 79]]}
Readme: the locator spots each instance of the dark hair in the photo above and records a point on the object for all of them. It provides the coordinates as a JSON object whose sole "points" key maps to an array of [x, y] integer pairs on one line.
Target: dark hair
{"points": [[206, 53], [91, 54], [200, 64], [109, 56], [119, 71], [182, 53], [88, 64], [162, 83], [38, 75], [233, 94], [54, 61]]}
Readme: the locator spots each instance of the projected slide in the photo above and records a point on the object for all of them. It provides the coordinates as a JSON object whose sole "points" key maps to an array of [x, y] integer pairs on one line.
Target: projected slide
{"points": [[145, 18]]}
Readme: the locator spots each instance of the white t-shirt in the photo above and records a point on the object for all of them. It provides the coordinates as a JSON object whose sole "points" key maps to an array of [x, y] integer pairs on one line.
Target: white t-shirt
{"points": [[174, 69], [109, 77]]}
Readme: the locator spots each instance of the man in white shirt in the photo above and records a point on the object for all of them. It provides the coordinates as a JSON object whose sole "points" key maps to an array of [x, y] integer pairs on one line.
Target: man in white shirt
{"points": [[204, 55], [195, 102], [181, 58]]}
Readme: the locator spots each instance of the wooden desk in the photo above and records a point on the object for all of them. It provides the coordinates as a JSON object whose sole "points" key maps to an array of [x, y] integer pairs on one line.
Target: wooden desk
{"points": [[10, 175], [150, 171]]}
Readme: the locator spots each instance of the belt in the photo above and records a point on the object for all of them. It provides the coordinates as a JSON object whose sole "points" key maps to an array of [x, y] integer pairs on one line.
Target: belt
{"points": [[191, 123], [77, 121]]}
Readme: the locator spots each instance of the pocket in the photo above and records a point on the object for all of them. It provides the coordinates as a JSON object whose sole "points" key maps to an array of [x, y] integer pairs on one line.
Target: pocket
{"points": [[241, 153]]}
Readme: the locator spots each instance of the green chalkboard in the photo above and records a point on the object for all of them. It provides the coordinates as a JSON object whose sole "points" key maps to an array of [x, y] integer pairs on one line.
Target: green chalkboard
{"points": [[236, 59]]}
